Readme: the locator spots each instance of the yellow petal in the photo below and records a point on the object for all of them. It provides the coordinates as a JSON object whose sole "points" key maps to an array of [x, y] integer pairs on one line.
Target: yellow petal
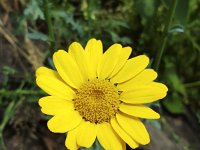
{"points": [[139, 111], [70, 141], [77, 52], [108, 138], [144, 94], [123, 57], [134, 128], [132, 67], [109, 61], [52, 105], [145, 77], [132, 143], [46, 71], [53, 85], [87, 134], [64, 122], [68, 68], [93, 52]]}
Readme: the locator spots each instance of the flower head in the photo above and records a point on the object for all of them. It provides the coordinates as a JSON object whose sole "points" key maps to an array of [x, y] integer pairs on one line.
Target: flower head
{"points": [[99, 95]]}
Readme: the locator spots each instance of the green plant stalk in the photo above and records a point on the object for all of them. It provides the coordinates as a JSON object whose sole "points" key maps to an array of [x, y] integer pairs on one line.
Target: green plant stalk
{"points": [[49, 25], [8, 113], [2, 143], [165, 34], [20, 92], [194, 43], [192, 84]]}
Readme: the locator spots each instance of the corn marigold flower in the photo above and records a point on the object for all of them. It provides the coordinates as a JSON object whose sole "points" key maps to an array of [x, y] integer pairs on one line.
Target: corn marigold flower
{"points": [[96, 95]]}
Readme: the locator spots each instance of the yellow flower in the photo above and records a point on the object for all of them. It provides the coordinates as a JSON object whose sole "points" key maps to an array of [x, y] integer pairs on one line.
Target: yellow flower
{"points": [[99, 95]]}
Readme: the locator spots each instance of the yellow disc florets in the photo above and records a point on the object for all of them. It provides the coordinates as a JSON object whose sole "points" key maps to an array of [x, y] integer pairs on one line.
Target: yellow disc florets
{"points": [[97, 101]]}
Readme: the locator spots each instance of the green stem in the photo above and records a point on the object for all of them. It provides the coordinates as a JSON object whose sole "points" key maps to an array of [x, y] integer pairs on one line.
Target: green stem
{"points": [[8, 113], [20, 92], [2, 143], [192, 84], [194, 43], [49, 25], [165, 34], [6, 117]]}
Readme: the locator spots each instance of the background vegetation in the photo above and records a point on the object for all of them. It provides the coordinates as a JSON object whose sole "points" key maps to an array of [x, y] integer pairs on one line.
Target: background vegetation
{"points": [[31, 30]]}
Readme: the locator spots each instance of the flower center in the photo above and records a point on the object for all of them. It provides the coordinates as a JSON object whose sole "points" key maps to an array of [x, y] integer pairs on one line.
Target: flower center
{"points": [[97, 101]]}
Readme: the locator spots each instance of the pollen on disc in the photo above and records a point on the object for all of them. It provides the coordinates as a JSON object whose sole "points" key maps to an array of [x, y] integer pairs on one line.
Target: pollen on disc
{"points": [[97, 101]]}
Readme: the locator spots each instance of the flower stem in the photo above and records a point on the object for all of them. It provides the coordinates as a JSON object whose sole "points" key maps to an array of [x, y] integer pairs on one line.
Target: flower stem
{"points": [[49, 25], [165, 34]]}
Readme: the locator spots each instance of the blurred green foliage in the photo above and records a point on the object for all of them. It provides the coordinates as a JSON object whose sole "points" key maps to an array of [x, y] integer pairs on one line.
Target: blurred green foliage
{"points": [[138, 23]]}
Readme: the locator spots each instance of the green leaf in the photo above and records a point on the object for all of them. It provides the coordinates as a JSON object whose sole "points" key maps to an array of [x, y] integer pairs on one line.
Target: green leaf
{"points": [[7, 114], [146, 8], [177, 28], [95, 146], [35, 35], [177, 83], [155, 123], [33, 11], [174, 104], [118, 24], [51, 64], [182, 11], [126, 40], [172, 78], [7, 70], [68, 18]]}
